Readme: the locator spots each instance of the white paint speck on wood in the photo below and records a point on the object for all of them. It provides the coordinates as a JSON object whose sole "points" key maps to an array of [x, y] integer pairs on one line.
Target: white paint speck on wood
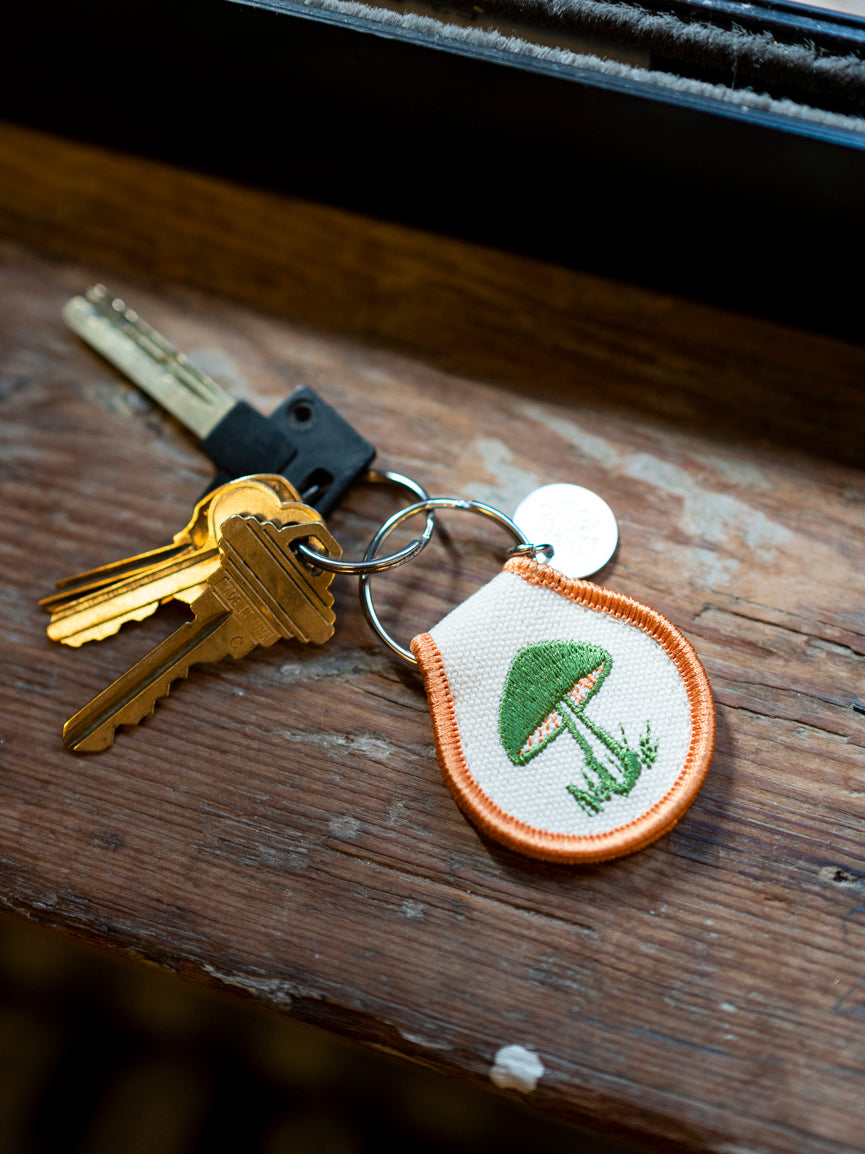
{"points": [[516, 1068]]}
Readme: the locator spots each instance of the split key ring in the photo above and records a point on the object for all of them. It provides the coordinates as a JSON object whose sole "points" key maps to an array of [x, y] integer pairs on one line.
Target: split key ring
{"points": [[379, 564], [523, 547]]}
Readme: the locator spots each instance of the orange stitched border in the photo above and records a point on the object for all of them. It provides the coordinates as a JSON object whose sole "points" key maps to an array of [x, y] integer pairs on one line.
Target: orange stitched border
{"points": [[520, 836]]}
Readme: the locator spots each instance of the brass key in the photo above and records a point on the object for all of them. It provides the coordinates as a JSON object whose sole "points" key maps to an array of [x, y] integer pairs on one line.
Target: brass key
{"points": [[94, 605], [260, 593]]}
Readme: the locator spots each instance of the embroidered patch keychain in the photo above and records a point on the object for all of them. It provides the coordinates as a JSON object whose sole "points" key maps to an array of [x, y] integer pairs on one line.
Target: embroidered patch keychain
{"points": [[572, 723]]}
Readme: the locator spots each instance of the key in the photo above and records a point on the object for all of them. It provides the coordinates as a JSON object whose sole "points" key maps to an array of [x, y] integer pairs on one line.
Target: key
{"points": [[94, 605], [260, 593], [304, 439]]}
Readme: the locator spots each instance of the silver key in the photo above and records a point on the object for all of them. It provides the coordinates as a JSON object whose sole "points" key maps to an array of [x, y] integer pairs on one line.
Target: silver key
{"points": [[304, 439], [148, 359]]}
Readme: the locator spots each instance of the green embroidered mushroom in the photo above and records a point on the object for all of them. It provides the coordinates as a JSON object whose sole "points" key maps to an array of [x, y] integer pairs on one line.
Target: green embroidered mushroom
{"points": [[546, 693]]}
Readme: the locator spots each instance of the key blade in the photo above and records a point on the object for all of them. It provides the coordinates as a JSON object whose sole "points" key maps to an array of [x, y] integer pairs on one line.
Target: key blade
{"points": [[92, 580], [76, 633], [147, 358], [93, 616], [212, 635]]}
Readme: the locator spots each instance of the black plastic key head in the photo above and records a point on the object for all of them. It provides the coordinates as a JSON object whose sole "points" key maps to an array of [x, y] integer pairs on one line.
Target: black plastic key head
{"points": [[304, 439]]}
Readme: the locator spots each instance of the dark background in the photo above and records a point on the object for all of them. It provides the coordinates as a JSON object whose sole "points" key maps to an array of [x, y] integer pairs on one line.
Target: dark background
{"points": [[663, 193], [103, 1056]]}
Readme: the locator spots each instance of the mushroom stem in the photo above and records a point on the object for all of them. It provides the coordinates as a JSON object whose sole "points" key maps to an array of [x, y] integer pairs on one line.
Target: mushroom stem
{"points": [[607, 783]]}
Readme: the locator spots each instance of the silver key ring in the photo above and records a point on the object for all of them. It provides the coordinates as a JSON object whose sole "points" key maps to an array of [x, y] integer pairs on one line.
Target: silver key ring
{"points": [[380, 564], [523, 547]]}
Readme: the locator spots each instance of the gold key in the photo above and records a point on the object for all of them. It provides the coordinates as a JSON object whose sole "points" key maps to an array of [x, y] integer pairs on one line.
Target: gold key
{"points": [[94, 605], [260, 593]]}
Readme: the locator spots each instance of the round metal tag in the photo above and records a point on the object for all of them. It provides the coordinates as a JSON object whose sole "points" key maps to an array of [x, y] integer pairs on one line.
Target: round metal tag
{"points": [[578, 523]]}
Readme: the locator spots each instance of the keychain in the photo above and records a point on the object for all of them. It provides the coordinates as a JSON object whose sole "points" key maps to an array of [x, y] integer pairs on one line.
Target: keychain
{"points": [[572, 723]]}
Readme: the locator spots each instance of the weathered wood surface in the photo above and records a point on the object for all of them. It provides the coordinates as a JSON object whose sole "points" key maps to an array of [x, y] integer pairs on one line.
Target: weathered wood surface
{"points": [[279, 826]]}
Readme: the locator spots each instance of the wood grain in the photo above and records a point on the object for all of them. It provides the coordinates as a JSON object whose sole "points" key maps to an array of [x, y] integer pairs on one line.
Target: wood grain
{"points": [[279, 827]]}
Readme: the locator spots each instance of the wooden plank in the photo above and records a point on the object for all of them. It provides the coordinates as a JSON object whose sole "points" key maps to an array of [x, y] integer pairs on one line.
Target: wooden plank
{"points": [[543, 330], [279, 826]]}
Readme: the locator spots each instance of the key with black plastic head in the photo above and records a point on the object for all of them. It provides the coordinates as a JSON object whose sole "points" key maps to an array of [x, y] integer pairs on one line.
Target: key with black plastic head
{"points": [[304, 439]]}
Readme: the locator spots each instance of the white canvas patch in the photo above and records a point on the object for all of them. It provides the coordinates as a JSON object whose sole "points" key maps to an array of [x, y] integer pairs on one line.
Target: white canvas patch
{"points": [[478, 642]]}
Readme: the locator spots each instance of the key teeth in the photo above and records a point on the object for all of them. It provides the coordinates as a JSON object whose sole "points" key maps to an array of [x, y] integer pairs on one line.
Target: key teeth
{"points": [[57, 628], [101, 737], [94, 743], [134, 695]]}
